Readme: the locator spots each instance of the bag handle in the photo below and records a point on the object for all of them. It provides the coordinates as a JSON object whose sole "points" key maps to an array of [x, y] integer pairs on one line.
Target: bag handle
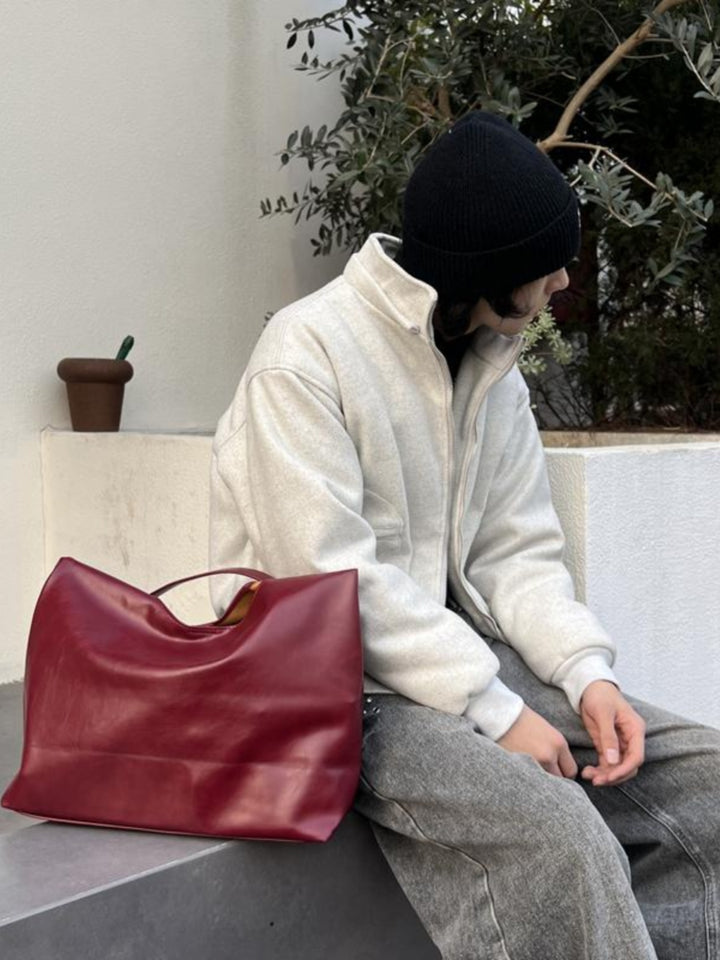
{"points": [[241, 571]]}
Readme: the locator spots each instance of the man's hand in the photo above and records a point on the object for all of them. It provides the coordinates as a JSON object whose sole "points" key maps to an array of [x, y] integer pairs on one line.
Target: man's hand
{"points": [[533, 735], [617, 731]]}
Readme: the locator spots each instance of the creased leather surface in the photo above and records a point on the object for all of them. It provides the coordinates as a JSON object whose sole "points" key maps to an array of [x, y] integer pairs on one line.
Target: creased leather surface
{"points": [[133, 719]]}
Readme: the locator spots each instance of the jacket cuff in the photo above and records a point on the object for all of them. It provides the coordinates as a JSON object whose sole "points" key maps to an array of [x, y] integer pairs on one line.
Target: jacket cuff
{"points": [[495, 710], [582, 673]]}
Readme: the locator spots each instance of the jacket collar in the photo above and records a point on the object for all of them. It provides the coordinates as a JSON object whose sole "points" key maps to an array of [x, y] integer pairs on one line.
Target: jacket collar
{"points": [[373, 272]]}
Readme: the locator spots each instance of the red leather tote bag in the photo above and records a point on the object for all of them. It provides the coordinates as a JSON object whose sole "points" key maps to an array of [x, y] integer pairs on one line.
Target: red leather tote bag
{"points": [[245, 729]]}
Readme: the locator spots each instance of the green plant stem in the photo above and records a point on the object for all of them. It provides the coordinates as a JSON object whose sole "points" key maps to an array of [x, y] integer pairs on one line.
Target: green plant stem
{"points": [[125, 348]]}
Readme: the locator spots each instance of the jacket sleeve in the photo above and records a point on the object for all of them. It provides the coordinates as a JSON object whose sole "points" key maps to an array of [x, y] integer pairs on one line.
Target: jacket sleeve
{"points": [[304, 514], [516, 563]]}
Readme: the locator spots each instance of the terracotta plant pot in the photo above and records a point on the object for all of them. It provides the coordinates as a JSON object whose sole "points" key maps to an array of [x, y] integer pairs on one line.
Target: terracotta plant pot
{"points": [[95, 391]]}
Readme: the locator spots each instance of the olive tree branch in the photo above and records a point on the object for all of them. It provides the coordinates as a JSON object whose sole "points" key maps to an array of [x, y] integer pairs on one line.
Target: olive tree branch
{"points": [[662, 194], [700, 79], [598, 149], [643, 32], [387, 47]]}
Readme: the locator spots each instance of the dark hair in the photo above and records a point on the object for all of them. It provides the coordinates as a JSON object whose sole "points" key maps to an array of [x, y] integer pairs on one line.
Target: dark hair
{"points": [[453, 313], [453, 317]]}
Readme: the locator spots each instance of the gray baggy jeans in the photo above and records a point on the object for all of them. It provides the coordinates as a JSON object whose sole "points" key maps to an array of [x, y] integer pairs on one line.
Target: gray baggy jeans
{"points": [[503, 861]]}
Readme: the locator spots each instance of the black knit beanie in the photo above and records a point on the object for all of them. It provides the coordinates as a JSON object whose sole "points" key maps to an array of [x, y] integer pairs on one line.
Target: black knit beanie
{"points": [[486, 211]]}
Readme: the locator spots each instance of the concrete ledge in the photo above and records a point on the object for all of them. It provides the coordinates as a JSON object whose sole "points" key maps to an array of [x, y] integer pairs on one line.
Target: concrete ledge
{"points": [[88, 893], [10, 748], [82, 893], [592, 439]]}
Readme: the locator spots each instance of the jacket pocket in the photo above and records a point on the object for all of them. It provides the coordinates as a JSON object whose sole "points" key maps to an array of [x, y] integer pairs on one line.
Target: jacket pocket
{"points": [[382, 516]]}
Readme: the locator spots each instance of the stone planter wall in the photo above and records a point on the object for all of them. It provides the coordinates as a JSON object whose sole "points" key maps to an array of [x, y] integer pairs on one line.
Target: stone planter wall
{"points": [[642, 524]]}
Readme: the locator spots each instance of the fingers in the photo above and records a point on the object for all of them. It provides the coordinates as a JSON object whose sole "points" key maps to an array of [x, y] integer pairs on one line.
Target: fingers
{"points": [[632, 753], [533, 735], [566, 761], [633, 756], [561, 762], [602, 777]]}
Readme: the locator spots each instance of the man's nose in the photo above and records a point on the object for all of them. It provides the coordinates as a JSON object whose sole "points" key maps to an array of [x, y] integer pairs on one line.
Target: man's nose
{"points": [[558, 280]]}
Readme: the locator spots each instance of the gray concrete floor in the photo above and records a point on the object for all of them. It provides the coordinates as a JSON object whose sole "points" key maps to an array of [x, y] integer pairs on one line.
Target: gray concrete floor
{"points": [[11, 705]]}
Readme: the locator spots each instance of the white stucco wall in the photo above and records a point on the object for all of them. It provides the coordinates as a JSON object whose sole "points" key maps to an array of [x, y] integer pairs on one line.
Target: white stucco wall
{"points": [[138, 139]]}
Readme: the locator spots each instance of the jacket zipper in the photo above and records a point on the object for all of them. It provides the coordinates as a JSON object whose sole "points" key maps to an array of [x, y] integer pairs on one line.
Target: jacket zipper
{"points": [[455, 544], [450, 463]]}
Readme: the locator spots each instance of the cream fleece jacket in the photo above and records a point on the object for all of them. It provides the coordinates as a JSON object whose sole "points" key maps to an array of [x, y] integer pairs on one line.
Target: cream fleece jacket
{"points": [[347, 445]]}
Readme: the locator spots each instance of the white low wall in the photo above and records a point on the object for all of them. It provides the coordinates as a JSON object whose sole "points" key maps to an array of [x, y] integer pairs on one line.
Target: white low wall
{"points": [[643, 545], [641, 522], [133, 504]]}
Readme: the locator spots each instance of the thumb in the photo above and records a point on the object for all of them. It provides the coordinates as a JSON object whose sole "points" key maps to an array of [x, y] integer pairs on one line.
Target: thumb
{"points": [[609, 747]]}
